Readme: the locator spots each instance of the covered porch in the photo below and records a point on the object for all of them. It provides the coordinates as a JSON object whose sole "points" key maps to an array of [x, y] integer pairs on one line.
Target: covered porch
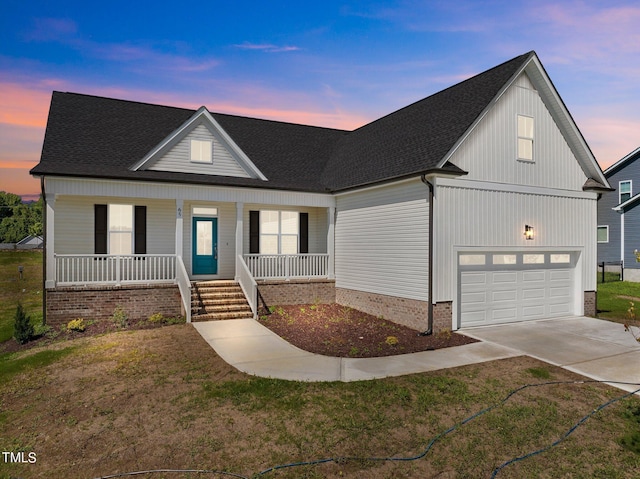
{"points": [[174, 241]]}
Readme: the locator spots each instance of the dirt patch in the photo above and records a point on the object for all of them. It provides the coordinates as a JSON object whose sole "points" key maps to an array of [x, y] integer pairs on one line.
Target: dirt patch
{"points": [[339, 331]]}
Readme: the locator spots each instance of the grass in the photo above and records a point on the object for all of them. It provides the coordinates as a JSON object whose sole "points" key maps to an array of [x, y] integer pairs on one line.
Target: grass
{"points": [[28, 291], [162, 398], [610, 303]]}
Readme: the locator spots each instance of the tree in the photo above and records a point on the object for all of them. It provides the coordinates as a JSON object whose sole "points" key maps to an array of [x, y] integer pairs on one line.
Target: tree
{"points": [[22, 328], [18, 219]]}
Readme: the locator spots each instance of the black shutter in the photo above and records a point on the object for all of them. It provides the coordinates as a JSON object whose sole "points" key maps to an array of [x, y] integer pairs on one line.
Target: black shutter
{"points": [[100, 229], [304, 232], [140, 230], [254, 232]]}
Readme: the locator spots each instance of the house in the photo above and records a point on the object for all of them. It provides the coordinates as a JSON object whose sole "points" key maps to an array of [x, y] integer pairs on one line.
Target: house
{"points": [[30, 242], [473, 206], [619, 219]]}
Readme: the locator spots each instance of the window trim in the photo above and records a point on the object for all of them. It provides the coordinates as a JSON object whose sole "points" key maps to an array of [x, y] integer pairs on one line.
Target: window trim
{"points": [[620, 190], [607, 230], [527, 138], [196, 150]]}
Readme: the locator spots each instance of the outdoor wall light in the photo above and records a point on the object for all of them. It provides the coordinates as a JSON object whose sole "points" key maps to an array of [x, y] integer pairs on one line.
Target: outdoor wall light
{"points": [[528, 232]]}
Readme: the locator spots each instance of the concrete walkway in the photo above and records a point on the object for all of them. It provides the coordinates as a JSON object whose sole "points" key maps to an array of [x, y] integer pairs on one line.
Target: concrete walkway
{"points": [[591, 347], [254, 349]]}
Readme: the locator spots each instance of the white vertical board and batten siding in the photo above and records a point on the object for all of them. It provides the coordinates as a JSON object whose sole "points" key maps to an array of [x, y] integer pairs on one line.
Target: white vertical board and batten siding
{"points": [[178, 158], [74, 223], [489, 153], [474, 218], [382, 240]]}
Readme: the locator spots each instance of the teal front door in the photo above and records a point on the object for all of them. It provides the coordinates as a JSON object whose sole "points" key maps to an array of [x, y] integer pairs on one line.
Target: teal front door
{"points": [[205, 245]]}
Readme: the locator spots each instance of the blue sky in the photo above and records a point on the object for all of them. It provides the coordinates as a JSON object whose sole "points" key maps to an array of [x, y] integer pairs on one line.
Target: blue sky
{"points": [[336, 64]]}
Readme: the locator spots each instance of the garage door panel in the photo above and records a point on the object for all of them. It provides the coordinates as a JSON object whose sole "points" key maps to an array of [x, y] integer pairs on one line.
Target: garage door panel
{"points": [[503, 277], [504, 315], [517, 294], [506, 295]]}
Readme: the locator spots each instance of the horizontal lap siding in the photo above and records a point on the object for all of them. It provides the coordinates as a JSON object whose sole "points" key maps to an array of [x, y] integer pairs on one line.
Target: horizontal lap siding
{"points": [[318, 224], [382, 241], [74, 223], [178, 158]]}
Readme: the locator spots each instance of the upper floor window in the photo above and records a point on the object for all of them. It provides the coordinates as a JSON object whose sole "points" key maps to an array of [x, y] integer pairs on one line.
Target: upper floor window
{"points": [[201, 151], [525, 138], [624, 189]]}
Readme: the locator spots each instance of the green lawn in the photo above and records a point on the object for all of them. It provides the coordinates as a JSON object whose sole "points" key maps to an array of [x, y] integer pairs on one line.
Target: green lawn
{"points": [[615, 298], [13, 290]]}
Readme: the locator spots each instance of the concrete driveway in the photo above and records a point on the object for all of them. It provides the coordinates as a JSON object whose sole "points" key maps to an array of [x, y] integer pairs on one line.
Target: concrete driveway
{"points": [[594, 348]]}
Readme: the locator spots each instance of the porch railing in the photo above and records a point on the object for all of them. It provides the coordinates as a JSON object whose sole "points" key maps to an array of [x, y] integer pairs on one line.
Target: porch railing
{"points": [[184, 285], [247, 283], [286, 266], [108, 269]]}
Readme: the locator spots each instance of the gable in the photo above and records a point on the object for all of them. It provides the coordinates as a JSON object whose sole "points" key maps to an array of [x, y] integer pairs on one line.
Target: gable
{"points": [[201, 131], [490, 153], [178, 157]]}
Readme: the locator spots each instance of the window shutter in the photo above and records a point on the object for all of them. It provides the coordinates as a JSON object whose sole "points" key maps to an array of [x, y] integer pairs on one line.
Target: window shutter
{"points": [[100, 229], [140, 230], [254, 232], [304, 232]]}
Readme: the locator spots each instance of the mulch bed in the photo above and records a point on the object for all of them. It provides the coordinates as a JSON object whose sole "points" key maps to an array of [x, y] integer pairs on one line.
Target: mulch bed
{"points": [[339, 331]]}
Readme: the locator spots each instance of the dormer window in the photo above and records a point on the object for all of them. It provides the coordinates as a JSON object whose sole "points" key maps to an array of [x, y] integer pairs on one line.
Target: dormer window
{"points": [[525, 138], [624, 190], [201, 151]]}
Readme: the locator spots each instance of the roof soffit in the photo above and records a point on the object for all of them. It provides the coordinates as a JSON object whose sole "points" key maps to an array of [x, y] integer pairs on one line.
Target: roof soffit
{"points": [[200, 117]]}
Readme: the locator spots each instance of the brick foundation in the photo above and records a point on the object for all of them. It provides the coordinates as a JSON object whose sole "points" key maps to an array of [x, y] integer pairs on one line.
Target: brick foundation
{"points": [[442, 316], [99, 302], [408, 312], [590, 302], [298, 291]]}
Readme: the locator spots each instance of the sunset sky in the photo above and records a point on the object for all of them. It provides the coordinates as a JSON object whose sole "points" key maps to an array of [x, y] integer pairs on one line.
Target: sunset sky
{"points": [[329, 63]]}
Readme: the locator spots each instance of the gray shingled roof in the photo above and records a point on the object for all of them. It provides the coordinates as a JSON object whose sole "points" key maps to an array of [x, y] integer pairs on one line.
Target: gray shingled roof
{"points": [[98, 137]]}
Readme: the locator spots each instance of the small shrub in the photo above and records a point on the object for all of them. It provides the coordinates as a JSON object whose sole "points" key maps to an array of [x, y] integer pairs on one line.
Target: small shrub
{"points": [[120, 318], [40, 330], [76, 325], [445, 333], [156, 318], [22, 328], [391, 340]]}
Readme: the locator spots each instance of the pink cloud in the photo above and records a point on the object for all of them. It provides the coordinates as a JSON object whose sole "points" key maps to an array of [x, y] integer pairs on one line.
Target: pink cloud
{"points": [[611, 138]]}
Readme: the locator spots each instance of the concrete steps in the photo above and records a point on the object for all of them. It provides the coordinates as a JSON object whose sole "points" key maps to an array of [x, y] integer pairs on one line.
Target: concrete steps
{"points": [[218, 300]]}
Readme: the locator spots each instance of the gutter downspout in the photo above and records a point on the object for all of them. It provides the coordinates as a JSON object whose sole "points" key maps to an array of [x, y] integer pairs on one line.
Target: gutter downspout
{"points": [[429, 330], [44, 251]]}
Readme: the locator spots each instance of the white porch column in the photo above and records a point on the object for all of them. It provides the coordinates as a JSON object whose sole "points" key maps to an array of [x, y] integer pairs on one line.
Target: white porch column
{"points": [[331, 241], [50, 280], [179, 226], [239, 231]]}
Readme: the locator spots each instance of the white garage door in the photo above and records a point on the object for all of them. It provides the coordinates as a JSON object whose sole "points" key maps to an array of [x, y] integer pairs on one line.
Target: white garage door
{"points": [[507, 287]]}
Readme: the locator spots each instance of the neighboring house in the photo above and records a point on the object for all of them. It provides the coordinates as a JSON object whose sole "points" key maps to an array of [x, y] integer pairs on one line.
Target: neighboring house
{"points": [[473, 206], [31, 241], [619, 217]]}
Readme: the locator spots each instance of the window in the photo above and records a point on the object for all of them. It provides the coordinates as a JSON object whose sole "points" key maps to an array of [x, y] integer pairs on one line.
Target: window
{"points": [[471, 259], [533, 258], [562, 258], [120, 229], [201, 151], [504, 259], [525, 138], [279, 232], [624, 190], [603, 234]]}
